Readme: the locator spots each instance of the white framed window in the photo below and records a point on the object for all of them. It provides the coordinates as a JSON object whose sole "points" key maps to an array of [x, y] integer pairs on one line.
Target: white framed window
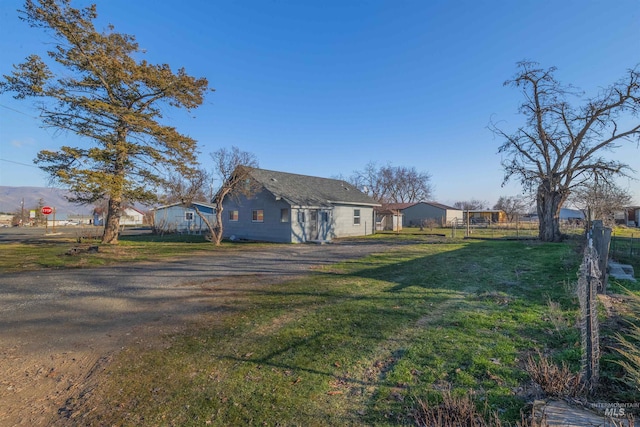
{"points": [[257, 215], [233, 215], [301, 217], [356, 217], [284, 215], [189, 216], [324, 216]]}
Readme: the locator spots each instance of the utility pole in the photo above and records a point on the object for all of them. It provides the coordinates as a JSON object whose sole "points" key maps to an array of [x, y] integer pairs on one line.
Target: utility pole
{"points": [[22, 213]]}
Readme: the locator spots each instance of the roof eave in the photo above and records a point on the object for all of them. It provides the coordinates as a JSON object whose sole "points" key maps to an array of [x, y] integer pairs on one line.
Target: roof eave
{"points": [[340, 202]]}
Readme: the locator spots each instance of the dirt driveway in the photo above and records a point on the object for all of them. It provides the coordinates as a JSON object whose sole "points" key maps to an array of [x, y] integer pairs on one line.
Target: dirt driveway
{"points": [[59, 328]]}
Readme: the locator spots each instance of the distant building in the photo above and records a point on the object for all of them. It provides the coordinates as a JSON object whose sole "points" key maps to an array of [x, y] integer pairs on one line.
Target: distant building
{"points": [[484, 216], [130, 216], [417, 213]]}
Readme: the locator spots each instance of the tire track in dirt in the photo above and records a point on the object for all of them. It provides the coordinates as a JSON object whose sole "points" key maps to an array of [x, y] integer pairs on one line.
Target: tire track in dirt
{"points": [[59, 329]]}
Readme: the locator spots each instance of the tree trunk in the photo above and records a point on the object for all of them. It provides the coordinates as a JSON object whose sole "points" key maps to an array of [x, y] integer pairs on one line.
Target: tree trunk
{"points": [[217, 231], [112, 222], [212, 228], [549, 203]]}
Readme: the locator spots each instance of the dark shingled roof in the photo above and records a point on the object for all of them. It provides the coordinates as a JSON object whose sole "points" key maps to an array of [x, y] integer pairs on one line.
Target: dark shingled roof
{"points": [[304, 190]]}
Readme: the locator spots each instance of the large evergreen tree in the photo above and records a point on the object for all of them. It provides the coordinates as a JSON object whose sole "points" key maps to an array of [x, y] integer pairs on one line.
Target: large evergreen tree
{"points": [[102, 92]]}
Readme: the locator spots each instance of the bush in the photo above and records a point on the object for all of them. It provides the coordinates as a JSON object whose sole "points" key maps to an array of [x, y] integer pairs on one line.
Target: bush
{"points": [[454, 412], [554, 380]]}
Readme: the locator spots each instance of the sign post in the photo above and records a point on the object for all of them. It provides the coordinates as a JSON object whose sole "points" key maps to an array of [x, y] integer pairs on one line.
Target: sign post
{"points": [[47, 210]]}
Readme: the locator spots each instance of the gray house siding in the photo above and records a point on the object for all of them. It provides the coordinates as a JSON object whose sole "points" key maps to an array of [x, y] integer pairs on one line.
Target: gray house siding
{"points": [[344, 222], [175, 218], [271, 229]]}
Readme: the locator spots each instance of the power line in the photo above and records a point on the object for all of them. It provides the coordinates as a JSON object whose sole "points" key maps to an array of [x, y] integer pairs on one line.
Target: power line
{"points": [[18, 111], [18, 163]]}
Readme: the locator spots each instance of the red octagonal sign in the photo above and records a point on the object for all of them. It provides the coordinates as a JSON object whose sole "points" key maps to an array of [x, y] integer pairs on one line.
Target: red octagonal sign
{"points": [[46, 210]]}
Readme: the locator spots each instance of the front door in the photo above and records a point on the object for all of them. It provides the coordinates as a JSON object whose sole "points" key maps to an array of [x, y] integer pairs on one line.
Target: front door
{"points": [[313, 224]]}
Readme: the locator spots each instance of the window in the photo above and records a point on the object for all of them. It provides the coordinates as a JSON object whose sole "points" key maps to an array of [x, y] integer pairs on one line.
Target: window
{"points": [[356, 217], [313, 216], [188, 216], [284, 215], [233, 215], [301, 217], [324, 216], [257, 215]]}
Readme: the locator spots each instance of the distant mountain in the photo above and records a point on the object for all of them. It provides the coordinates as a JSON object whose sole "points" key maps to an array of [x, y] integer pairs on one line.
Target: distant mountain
{"points": [[11, 199]]}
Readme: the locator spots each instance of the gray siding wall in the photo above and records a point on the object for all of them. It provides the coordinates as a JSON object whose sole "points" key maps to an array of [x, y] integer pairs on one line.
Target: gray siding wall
{"points": [[343, 221], [318, 224], [270, 230], [173, 218]]}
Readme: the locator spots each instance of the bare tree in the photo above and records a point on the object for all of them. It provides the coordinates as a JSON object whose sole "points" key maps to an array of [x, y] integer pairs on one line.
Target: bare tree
{"points": [[600, 200], [369, 180], [561, 146], [393, 184], [511, 206], [470, 205], [194, 185], [233, 168]]}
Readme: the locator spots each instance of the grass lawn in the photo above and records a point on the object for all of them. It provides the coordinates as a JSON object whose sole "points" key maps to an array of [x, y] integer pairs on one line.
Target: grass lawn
{"points": [[359, 343], [49, 253]]}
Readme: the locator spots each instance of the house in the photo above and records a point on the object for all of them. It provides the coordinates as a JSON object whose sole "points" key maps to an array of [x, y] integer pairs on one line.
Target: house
{"points": [[183, 218], [131, 216], [418, 213], [295, 208]]}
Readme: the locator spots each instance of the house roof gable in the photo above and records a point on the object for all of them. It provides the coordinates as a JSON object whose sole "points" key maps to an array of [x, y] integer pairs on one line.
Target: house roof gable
{"points": [[304, 190]]}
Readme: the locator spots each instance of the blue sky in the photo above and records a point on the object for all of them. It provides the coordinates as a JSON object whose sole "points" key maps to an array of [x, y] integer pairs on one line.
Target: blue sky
{"points": [[324, 87]]}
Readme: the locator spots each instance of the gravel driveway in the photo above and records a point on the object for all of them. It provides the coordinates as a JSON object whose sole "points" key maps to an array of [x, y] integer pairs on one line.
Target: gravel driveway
{"points": [[59, 327]]}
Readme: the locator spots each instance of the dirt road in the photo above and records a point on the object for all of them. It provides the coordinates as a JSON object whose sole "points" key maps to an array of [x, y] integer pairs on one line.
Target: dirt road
{"points": [[60, 328]]}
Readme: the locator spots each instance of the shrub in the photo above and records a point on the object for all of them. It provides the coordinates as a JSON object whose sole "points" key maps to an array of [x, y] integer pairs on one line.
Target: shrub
{"points": [[454, 412], [554, 380]]}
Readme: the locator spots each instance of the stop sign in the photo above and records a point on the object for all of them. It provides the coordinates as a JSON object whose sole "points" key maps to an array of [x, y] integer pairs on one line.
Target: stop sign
{"points": [[46, 210]]}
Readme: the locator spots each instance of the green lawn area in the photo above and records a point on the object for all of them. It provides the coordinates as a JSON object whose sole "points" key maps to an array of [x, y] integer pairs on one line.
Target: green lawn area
{"points": [[37, 254], [359, 343]]}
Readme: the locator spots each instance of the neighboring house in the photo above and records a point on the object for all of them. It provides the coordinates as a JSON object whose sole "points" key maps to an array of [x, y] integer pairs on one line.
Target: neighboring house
{"points": [[130, 216], [388, 218], [295, 208], [415, 214], [182, 218]]}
